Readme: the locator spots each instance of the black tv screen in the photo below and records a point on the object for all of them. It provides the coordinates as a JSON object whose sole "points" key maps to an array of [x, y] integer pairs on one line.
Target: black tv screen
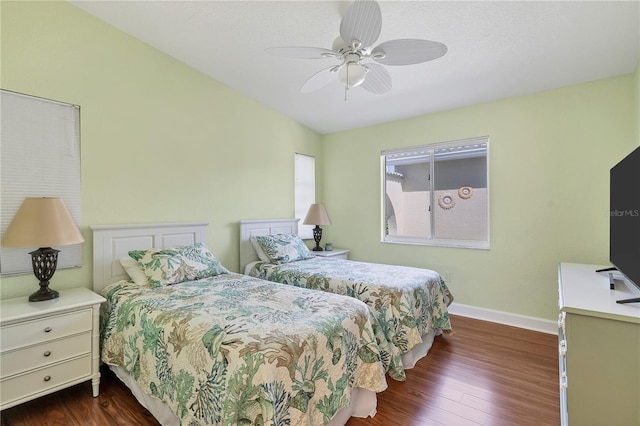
{"points": [[624, 249]]}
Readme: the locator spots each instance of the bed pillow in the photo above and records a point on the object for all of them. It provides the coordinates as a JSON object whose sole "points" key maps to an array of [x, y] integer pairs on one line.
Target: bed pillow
{"points": [[135, 272], [283, 248], [177, 264], [258, 249]]}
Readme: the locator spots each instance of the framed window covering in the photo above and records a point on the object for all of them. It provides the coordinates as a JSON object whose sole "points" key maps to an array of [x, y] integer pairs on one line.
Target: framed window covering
{"points": [[39, 157], [305, 191]]}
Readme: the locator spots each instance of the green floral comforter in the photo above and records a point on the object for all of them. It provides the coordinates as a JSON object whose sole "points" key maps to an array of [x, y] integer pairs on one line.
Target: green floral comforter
{"points": [[234, 350], [405, 302]]}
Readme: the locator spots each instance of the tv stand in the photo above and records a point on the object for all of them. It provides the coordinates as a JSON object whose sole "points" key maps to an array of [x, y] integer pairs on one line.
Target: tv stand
{"points": [[632, 300], [599, 350], [613, 268], [612, 281], [612, 286]]}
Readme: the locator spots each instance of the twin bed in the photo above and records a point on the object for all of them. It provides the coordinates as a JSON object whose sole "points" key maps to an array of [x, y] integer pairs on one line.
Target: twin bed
{"points": [[408, 305], [198, 344]]}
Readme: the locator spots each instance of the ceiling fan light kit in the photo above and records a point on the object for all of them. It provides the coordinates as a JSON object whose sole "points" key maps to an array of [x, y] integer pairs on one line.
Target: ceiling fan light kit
{"points": [[352, 73], [359, 29]]}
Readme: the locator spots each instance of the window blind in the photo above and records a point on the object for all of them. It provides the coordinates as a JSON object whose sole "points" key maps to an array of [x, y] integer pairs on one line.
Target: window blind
{"points": [[39, 157], [305, 191]]}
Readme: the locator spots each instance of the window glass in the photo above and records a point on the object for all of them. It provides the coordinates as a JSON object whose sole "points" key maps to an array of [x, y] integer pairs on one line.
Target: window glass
{"points": [[437, 194]]}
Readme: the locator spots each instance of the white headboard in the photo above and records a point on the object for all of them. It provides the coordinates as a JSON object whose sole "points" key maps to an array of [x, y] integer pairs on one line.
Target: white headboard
{"points": [[254, 228], [111, 242]]}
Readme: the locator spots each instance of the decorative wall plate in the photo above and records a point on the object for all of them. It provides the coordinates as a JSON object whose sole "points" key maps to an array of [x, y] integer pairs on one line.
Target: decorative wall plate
{"points": [[465, 192], [446, 201]]}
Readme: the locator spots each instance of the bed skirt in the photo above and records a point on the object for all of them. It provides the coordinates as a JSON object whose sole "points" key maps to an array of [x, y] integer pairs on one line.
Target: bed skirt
{"points": [[420, 350], [363, 403]]}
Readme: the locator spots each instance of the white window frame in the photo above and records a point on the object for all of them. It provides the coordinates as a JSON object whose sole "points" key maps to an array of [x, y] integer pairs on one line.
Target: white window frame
{"points": [[428, 151], [305, 191]]}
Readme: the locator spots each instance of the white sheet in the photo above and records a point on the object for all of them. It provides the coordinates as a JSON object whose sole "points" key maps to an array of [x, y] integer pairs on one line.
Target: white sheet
{"points": [[420, 350]]}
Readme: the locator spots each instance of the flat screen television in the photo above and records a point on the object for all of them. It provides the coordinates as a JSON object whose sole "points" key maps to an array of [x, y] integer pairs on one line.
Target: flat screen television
{"points": [[624, 227]]}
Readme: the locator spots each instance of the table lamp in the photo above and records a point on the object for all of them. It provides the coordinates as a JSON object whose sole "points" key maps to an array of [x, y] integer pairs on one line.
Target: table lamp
{"points": [[42, 222], [317, 215]]}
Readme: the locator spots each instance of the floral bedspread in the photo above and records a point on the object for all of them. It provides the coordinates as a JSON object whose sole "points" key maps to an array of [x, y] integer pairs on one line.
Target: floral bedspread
{"points": [[232, 349], [405, 302]]}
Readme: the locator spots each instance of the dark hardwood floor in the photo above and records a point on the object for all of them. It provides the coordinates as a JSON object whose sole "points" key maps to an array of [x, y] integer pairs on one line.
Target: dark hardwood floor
{"points": [[481, 374]]}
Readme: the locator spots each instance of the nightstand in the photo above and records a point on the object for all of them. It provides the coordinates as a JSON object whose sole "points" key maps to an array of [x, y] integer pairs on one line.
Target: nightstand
{"points": [[48, 346], [333, 254]]}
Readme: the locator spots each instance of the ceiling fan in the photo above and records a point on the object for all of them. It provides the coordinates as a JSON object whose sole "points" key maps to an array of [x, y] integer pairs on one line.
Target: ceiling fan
{"points": [[359, 29]]}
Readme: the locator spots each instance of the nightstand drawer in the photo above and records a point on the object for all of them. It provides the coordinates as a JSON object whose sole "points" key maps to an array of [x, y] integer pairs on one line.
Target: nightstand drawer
{"points": [[48, 346], [333, 254], [44, 329], [41, 380], [29, 358], [344, 256]]}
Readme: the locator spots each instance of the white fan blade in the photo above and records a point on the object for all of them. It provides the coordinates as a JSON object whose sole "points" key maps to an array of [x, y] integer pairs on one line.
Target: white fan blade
{"points": [[319, 80], [302, 52], [408, 51], [378, 80], [363, 22]]}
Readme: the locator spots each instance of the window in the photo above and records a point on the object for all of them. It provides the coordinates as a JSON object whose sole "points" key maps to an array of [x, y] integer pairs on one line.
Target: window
{"points": [[305, 191], [437, 194], [40, 158]]}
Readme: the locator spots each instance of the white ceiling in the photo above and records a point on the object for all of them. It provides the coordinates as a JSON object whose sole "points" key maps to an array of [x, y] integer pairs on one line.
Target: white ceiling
{"points": [[497, 49]]}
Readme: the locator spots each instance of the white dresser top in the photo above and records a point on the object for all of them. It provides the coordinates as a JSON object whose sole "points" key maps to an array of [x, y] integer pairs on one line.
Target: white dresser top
{"points": [[585, 291], [19, 308]]}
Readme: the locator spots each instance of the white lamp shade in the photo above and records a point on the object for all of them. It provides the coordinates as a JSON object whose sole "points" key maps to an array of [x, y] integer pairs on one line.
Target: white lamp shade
{"points": [[317, 215], [42, 222]]}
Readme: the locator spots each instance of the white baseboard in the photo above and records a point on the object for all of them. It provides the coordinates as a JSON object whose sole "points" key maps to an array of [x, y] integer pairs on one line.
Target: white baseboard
{"points": [[507, 318]]}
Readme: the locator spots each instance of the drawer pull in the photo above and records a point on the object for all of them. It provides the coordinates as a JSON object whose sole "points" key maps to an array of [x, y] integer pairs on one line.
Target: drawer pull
{"points": [[47, 378], [47, 353], [562, 347], [48, 329], [562, 318], [564, 382]]}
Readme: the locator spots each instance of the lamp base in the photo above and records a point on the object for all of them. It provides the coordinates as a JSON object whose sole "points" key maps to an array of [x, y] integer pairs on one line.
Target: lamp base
{"points": [[317, 236], [45, 293], [44, 262]]}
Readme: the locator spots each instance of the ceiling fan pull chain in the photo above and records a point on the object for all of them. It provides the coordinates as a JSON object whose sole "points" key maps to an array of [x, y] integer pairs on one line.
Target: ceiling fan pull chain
{"points": [[346, 86]]}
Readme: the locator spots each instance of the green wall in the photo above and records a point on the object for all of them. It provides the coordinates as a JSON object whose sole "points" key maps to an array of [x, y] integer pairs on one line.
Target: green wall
{"points": [[550, 155], [160, 141]]}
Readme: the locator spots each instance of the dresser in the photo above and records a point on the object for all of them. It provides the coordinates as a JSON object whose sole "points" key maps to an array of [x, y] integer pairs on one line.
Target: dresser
{"points": [[599, 349], [47, 346]]}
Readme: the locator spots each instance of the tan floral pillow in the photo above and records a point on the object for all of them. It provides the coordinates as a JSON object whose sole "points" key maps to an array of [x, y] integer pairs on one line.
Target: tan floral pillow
{"points": [[177, 264]]}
